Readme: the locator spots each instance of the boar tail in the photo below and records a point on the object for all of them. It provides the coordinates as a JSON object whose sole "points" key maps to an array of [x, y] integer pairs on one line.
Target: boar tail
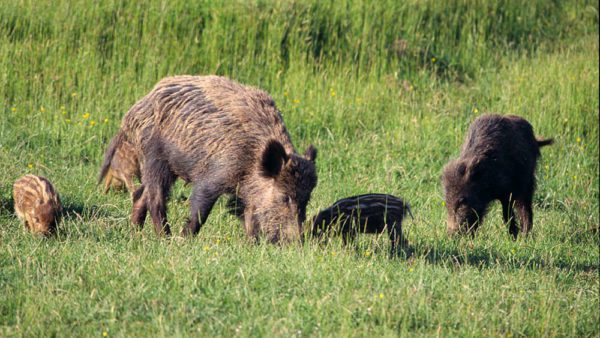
{"points": [[408, 211], [110, 152], [546, 142]]}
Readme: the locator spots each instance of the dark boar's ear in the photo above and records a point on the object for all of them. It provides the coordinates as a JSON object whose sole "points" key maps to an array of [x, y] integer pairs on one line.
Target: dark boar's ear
{"points": [[273, 159], [311, 153], [461, 168], [474, 168]]}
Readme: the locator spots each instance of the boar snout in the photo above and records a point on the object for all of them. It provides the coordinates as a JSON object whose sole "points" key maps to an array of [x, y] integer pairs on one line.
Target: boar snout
{"points": [[453, 227]]}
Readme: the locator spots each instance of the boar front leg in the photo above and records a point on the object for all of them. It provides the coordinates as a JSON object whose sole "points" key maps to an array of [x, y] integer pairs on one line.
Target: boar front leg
{"points": [[250, 225], [202, 200]]}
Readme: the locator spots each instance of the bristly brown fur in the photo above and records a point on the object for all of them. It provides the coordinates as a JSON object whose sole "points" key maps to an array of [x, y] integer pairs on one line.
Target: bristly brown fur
{"points": [[497, 162], [224, 138], [37, 204]]}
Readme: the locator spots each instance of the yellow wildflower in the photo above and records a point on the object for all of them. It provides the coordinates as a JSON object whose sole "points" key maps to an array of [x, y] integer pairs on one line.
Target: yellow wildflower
{"points": [[42, 109], [433, 59], [104, 334], [381, 296], [578, 139], [475, 110], [296, 101], [285, 93], [86, 116], [332, 93], [13, 109], [68, 120], [92, 123], [30, 165], [73, 94]]}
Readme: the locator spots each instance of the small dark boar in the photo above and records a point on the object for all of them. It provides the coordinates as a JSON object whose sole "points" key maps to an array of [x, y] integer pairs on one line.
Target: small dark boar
{"points": [[369, 214], [497, 162], [123, 168], [223, 138], [37, 204]]}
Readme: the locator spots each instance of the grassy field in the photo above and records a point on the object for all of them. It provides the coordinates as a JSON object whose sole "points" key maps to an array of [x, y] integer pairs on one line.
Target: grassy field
{"points": [[385, 91]]}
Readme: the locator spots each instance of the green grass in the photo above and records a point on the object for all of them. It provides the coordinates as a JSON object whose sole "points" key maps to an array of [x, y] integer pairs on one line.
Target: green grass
{"points": [[385, 91]]}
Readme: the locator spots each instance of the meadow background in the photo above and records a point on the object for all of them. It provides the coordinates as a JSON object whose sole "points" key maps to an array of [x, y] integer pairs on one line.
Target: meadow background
{"points": [[385, 90]]}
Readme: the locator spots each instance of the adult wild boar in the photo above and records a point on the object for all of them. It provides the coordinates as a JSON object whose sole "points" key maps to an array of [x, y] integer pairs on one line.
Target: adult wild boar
{"points": [[223, 138], [497, 162]]}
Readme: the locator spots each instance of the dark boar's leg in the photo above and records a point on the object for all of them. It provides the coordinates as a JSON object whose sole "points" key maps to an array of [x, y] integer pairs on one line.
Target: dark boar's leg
{"points": [[508, 215], [140, 208], [525, 212], [204, 196], [397, 239], [158, 180]]}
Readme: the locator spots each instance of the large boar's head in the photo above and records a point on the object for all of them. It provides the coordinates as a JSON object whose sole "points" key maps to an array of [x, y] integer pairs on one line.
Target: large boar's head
{"points": [[280, 192]]}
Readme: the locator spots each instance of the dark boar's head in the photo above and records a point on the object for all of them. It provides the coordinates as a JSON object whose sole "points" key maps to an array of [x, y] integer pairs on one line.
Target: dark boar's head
{"points": [[465, 194]]}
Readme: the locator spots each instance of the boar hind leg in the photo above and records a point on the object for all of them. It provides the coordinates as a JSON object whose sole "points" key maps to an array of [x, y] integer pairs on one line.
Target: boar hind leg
{"points": [[158, 180], [399, 243], [107, 181], [140, 208], [525, 213], [202, 200], [509, 216]]}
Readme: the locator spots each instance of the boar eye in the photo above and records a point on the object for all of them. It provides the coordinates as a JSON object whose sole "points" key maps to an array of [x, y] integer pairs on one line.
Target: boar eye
{"points": [[462, 201]]}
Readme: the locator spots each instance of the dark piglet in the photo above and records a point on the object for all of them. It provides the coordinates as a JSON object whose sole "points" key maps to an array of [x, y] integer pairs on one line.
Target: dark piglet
{"points": [[497, 162], [369, 214], [223, 138]]}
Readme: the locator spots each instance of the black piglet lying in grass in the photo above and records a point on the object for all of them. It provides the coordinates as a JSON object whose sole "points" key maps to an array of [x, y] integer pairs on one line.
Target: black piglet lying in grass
{"points": [[369, 214]]}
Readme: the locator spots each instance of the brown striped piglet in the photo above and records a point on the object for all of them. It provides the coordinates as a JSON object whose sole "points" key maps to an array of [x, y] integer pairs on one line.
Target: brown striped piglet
{"points": [[37, 204]]}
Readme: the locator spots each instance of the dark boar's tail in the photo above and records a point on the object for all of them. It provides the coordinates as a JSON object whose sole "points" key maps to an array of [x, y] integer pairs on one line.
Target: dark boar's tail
{"points": [[110, 152], [408, 211], [547, 142]]}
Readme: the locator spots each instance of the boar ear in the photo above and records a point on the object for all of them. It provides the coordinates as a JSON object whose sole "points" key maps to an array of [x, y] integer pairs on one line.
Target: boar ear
{"points": [[474, 168], [311, 153], [273, 159], [461, 168]]}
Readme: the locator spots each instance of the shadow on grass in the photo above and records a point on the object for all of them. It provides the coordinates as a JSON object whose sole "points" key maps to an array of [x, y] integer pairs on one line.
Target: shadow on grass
{"points": [[486, 258], [76, 211], [7, 206]]}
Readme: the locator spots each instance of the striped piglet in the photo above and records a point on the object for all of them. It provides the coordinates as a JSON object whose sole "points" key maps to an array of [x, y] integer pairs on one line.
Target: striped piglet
{"points": [[37, 204], [369, 214], [122, 169]]}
